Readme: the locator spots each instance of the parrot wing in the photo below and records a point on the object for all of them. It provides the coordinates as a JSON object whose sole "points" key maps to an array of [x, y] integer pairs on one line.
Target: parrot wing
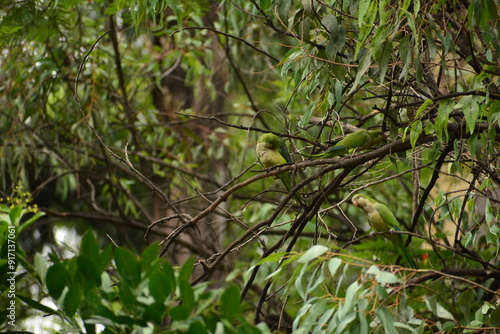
{"points": [[392, 223], [284, 151], [362, 139], [355, 139], [386, 216]]}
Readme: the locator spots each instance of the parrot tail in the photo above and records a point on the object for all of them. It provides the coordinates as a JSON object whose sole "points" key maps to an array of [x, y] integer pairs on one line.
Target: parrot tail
{"points": [[329, 153], [405, 253]]}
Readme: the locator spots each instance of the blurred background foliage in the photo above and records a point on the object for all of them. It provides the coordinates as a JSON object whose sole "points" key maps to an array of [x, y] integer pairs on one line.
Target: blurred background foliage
{"points": [[138, 120]]}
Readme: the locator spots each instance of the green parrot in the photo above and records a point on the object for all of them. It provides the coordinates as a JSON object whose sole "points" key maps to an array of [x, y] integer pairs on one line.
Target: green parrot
{"points": [[272, 151], [382, 219], [361, 139]]}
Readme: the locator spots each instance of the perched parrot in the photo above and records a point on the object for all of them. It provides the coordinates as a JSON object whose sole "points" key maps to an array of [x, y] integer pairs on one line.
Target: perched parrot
{"points": [[272, 151], [361, 139], [382, 219]]}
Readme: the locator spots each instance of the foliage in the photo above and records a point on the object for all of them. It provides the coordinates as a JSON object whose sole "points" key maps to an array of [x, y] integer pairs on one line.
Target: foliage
{"points": [[139, 119], [122, 292]]}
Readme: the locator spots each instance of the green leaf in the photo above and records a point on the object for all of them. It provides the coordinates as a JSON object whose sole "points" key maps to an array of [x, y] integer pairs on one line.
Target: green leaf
{"points": [[186, 270], [284, 10], [150, 254], [330, 22], [187, 294], [155, 312], [415, 131], [383, 277], [312, 253], [180, 312], [471, 112], [36, 305], [15, 215], [350, 296], [385, 57], [89, 245], [444, 110], [387, 321], [159, 286], [89, 270], [169, 271], [105, 257], [423, 107], [230, 302], [30, 221], [41, 266], [276, 257], [127, 265], [365, 61], [304, 120], [198, 327], [405, 55], [56, 279], [334, 265], [495, 318], [436, 308], [72, 300]]}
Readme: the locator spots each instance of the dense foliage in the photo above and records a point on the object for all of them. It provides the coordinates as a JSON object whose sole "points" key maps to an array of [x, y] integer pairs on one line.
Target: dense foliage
{"points": [[138, 120]]}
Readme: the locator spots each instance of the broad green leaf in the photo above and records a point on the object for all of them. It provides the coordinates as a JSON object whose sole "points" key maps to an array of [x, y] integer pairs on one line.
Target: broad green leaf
{"points": [[41, 266], [276, 257], [312, 253], [364, 63], [350, 296], [383, 277], [159, 286], [169, 272], [127, 266], [249, 329], [105, 257], [72, 299], [186, 270], [180, 312], [387, 321], [230, 302], [405, 55], [15, 215], [471, 112], [415, 131], [436, 308], [385, 57], [89, 270], [423, 107], [187, 294], [155, 312], [89, 246], [149, 255], [198, 327], [304, 120], [284, 10], [334, 265], [56, 279], [495, 318]]}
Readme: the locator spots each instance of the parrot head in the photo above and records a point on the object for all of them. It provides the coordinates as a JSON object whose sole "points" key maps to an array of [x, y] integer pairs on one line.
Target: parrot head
{"points": [[270, 141], [360, 202]]}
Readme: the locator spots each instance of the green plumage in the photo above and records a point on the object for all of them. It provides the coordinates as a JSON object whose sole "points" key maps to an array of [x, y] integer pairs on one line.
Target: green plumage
{"points": [[359, 140], [381, 219], [272, 151]]}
